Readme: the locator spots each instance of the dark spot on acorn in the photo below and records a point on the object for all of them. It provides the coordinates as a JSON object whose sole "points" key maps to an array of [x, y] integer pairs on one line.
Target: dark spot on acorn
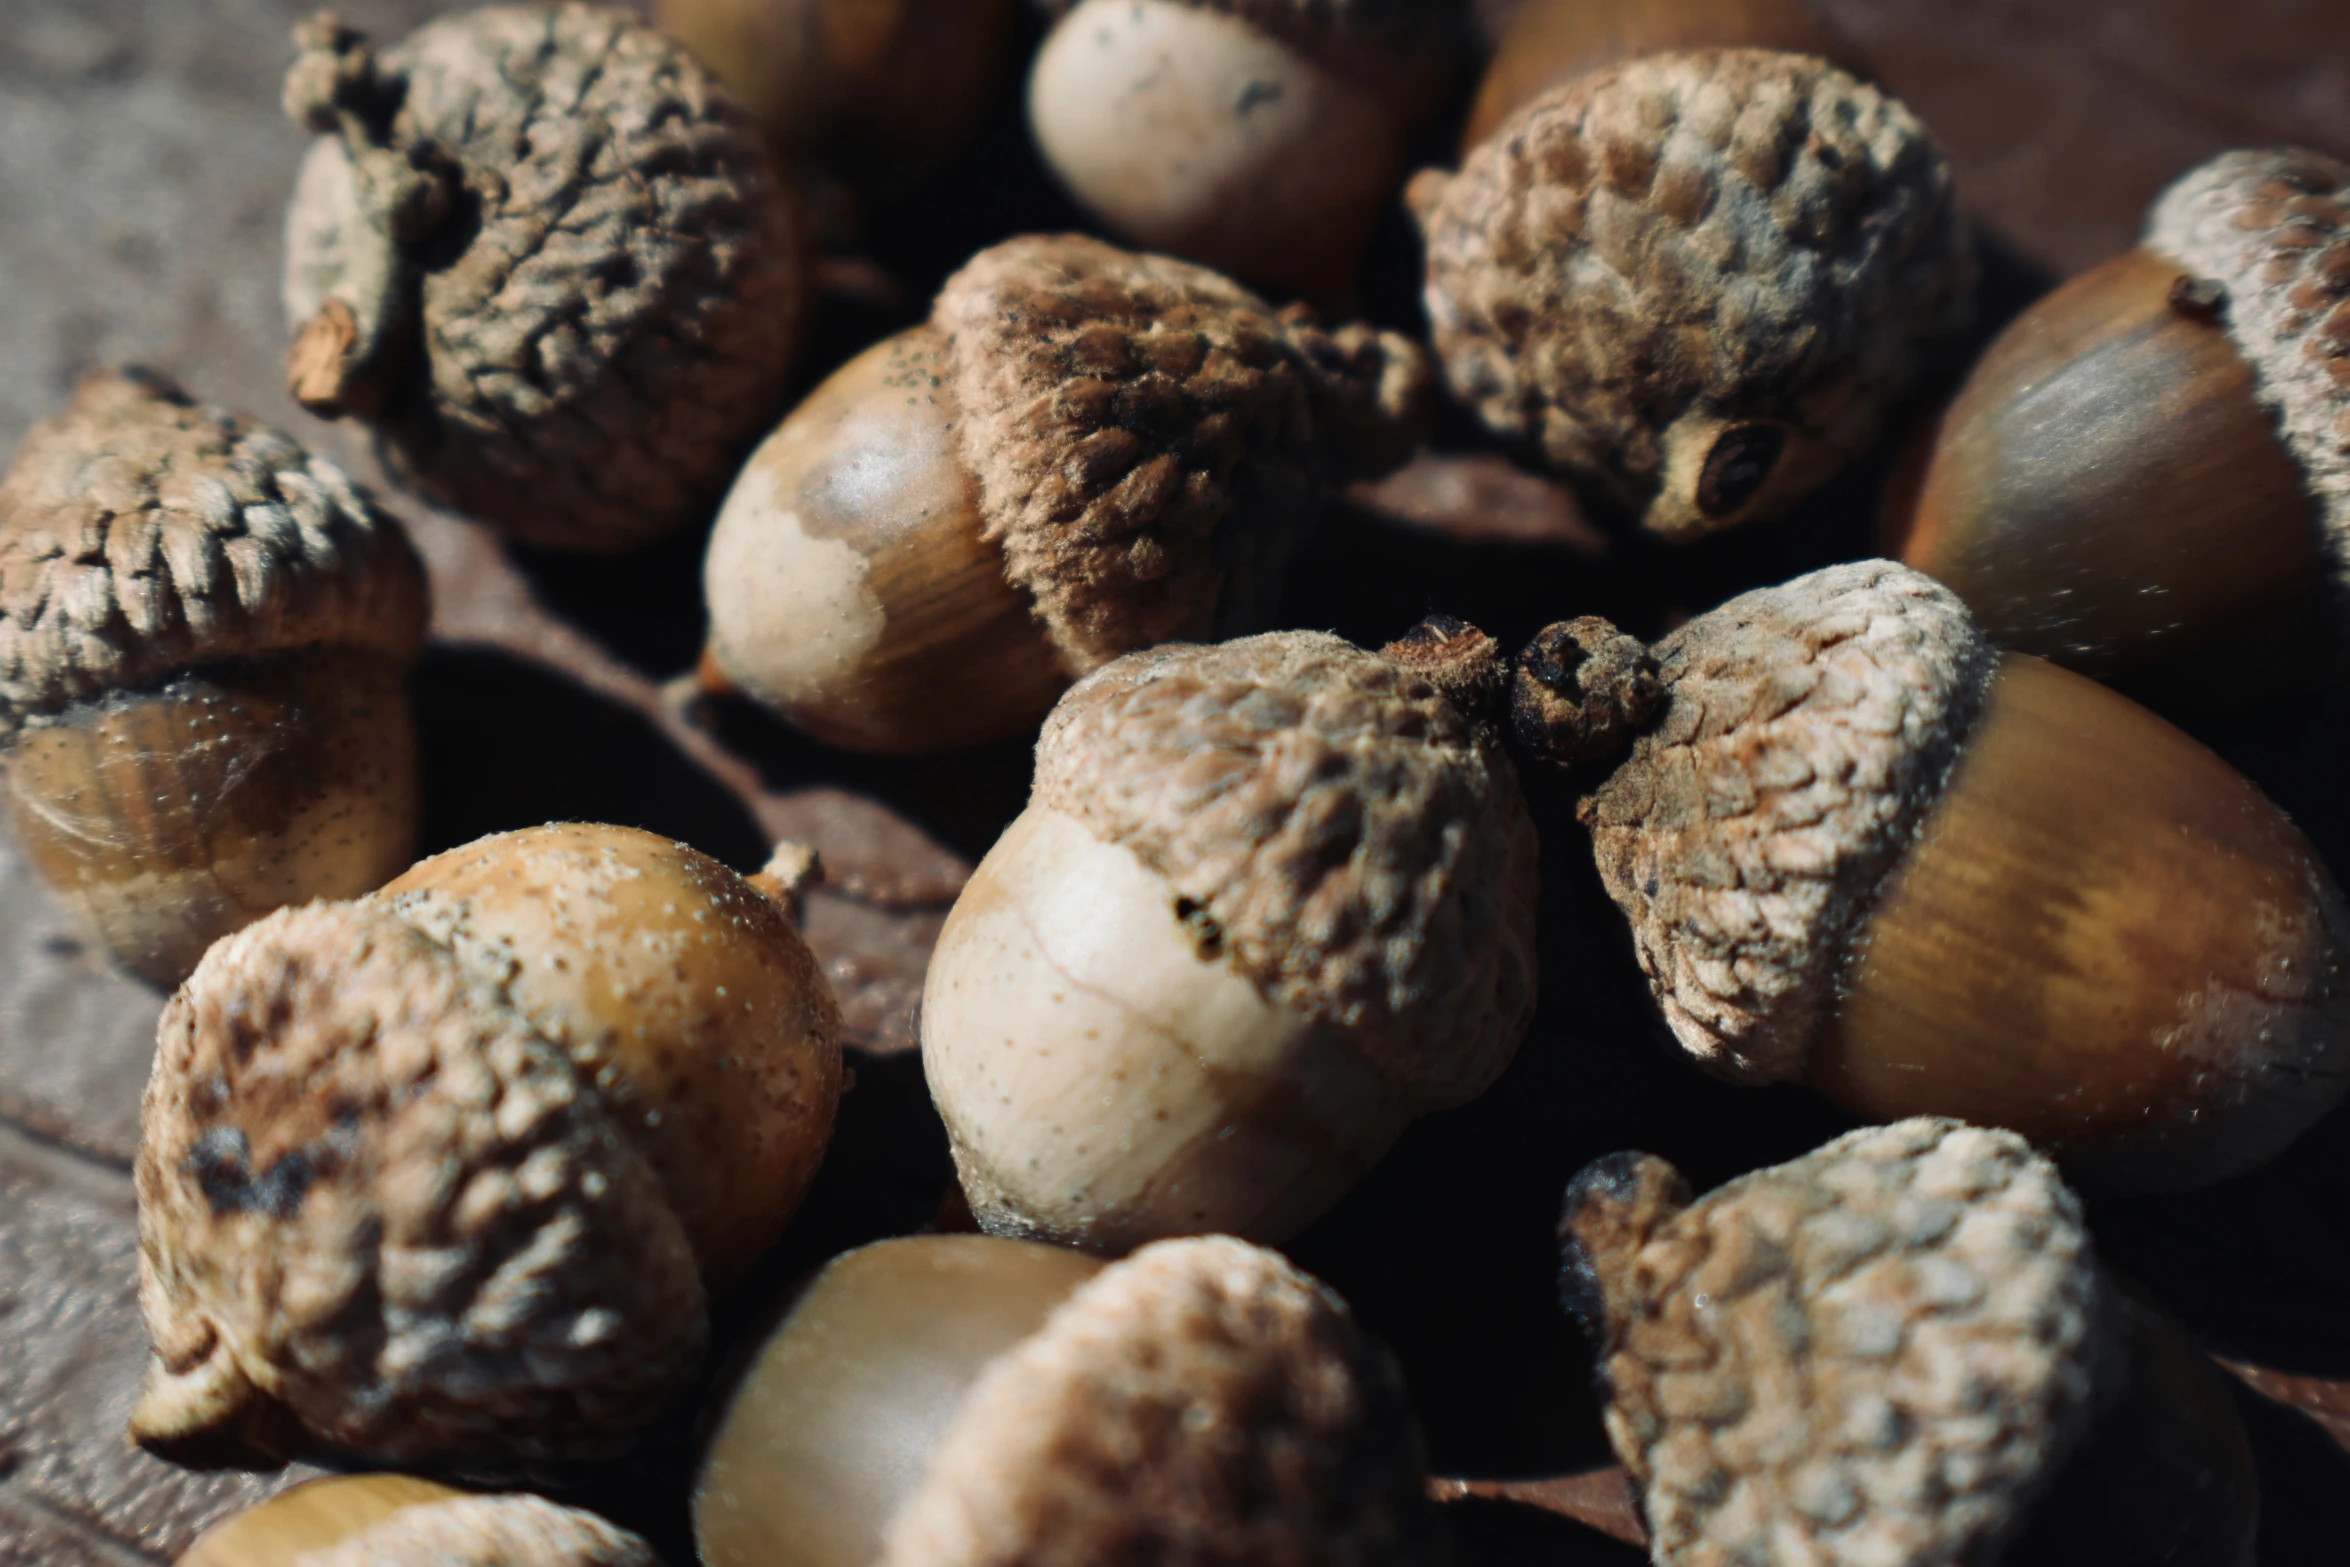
{"points": [[1204, 929], [1737, 468], [2200, 297]]}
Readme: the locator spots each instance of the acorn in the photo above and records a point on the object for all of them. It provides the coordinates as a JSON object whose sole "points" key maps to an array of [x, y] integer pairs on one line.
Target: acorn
{"points": [[1083, 452], [386, 1520], [2151, 466], [966, 1401], [1693, 283], [1265, 138], [883, 91], [1862, 849], [1270, 902], [205, 639], [446, 1176], [1897, 1348], [542, 254], [1548, 43]]}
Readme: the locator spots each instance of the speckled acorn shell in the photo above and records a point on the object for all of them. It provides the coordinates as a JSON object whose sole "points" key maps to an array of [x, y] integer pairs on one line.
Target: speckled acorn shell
{"points": [[542, 253], [1694, 281]]}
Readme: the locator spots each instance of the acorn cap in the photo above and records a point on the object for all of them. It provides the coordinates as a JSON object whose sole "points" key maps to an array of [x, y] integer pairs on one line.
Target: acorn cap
{"points": [[1880, 1352], [1332, 825], [378, 1213], [2273, 229], [570, 281], [1806, 731], [143, 533], [488, 1531], [1673, 245], [1118, 409], [1201, 1401]]}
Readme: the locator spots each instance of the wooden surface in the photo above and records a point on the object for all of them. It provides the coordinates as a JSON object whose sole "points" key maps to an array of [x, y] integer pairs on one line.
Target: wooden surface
{"points": [[143, 169]]}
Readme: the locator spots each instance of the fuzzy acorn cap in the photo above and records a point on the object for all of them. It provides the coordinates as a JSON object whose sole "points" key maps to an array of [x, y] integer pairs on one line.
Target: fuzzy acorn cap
{"points": [[379, 1214], [1151, 438], [1881, 1352], [488, 1531], [143, 534], [2273, 229], [565, 217], [1333, 826], [1202, 1401], [1643, 260], [1806, 731]]}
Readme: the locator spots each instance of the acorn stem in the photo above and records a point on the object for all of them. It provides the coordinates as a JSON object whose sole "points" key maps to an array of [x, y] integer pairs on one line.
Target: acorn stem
{"points": [[1582, 690], [1460, 661]]}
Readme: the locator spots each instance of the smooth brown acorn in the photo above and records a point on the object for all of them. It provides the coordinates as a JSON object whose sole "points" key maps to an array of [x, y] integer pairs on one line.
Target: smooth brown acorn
{"points": [[1862, 849], [388, 1520], [2152, 465]]}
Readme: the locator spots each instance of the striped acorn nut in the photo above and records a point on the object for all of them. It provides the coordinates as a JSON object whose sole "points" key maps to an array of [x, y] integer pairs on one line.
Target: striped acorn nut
{"points": [[205, 638], [1548, 43], [1084, 452], [968, 1401], [1863, 850], [1270, 901], [1898, 1348], [1693, 283], [385, 1520], [1263, 137], [446, 1176], [542, 253], [2152, 464], [881, 90]]}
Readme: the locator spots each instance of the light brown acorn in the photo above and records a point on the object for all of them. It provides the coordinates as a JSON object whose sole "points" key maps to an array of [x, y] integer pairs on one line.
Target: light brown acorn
{"points": [[205, 638], [2152, 465], [1085, 451], [968, 1401], [447, 1176], [1897, 1348], [1265, 138], [386, 1520], [1862, 849], [1548, 43]]}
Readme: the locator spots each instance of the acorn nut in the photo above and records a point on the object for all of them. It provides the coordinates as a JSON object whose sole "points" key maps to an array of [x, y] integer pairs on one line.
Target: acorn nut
{"points": [[1863, 850], [205, 638], [1898, 1348], [446, 1176], [388, 1520], [1084, 452], [881, 90], [1270, 901], [2151, 466], [1692, 283], [542, 253], [1262, 137], [967, 1401]]}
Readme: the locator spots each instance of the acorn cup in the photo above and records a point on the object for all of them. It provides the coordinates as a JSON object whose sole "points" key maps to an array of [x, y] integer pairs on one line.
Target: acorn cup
{"points": [[386, 1520], [1692, 284], [1265, 138], [1863, 850], [1897, 1348], [1270, 902], [446, 1176], [968, 1401], [2147, 476], [1083, 452], [1548, 43], [205, 639]]}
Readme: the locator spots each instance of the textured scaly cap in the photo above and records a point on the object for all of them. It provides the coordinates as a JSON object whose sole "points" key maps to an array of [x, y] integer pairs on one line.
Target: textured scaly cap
{"points": [[1151, 438], [1202, 1401], [1806, 731], [380, 1214], [1345, 835], [1881, 1352], [1696, 281], [2273, 229], [488, 1531], [545, 254], [143, 533]]}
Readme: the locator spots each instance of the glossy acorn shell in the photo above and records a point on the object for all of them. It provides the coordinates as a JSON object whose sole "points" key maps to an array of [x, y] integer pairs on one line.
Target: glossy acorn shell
{"points": [[310, 1517]]}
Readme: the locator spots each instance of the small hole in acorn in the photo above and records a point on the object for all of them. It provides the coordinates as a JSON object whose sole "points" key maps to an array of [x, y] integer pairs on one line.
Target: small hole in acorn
{"points": [[1737, 467]]}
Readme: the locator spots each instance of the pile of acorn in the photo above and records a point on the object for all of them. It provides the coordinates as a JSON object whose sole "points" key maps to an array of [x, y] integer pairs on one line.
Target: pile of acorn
{"points": [[444, 1165]]}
